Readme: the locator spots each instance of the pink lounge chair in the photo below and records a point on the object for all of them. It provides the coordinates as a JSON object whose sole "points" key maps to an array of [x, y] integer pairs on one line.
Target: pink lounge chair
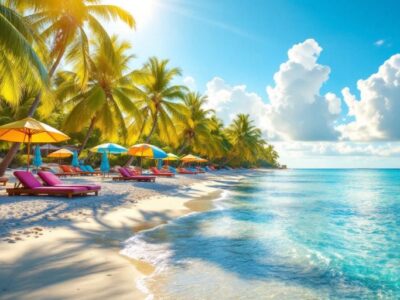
{"points": [[185, 171], [31, 186], [52, 180], [163, 173], [128, 175]]}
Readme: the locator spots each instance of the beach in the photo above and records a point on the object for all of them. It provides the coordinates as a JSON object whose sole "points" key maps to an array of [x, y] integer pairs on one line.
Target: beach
{"points": [[58, 248]]}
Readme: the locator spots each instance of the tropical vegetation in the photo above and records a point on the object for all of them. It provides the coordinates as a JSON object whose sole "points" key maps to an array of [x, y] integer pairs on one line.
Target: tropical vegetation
{"points": [[59, 64]]}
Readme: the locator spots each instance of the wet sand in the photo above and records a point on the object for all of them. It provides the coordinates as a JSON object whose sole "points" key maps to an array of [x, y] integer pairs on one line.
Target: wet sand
{"points": [[70, 249]]}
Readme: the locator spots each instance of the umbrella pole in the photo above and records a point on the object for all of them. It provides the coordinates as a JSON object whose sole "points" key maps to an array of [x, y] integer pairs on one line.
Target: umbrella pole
{"points": [[29, 149]]}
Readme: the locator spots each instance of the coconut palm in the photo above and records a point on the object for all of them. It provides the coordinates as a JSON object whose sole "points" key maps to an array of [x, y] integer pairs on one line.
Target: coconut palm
{"points": [[63, 24], [245, 139], [19, 63], [160, 102], [195, 131], [108, 98]]}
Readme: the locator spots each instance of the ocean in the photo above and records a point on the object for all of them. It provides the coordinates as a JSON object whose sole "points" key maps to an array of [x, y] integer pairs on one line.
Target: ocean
{"points": [[292, 234]]}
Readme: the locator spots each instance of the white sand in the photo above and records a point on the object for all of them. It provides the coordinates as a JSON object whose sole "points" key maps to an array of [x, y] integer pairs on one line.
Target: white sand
{"points": [[58, 248]]}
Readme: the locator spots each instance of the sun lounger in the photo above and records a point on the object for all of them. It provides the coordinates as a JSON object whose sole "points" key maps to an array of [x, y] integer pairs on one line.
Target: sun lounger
{"points": [[172, 170], [52, 180], [3, 181], [31, 186], [90, 169], [67, 171], [163, 173], [200, 170], [127, 176], [185, 171]]}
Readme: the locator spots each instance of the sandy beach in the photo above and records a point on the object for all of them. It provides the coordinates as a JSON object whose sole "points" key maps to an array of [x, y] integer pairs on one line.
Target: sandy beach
{"points": [[58, 248]]}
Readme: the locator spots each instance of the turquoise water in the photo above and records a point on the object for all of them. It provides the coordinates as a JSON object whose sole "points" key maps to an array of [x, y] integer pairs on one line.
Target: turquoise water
{"points": [[296, 234]]}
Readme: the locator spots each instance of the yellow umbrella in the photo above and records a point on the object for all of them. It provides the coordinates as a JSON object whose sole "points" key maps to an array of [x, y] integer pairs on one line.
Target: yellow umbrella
{"points": [[62, 153], [170, 157], [190, 158], [29, 131]]}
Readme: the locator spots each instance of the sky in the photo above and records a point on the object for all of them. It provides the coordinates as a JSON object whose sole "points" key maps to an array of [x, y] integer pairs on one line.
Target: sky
{"points": [[320, 78]]}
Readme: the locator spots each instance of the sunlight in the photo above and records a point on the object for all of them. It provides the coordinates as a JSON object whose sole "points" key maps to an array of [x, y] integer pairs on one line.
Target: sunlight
{"points": [[142, 10]]}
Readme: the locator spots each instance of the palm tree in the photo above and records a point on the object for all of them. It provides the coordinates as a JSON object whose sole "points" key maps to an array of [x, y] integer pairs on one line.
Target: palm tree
{"points": [[108, 98], [19, 63], [63, 24], [245, 139], [194, 130], [161, 101]]}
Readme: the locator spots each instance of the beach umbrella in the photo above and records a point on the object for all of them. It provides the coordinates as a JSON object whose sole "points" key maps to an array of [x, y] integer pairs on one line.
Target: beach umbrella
{"points": [[105, 164], [30, 131], [146, 150], [109, 148], [190, 158], [62, 153], [37, 158], [171, 157], [75, 161]]}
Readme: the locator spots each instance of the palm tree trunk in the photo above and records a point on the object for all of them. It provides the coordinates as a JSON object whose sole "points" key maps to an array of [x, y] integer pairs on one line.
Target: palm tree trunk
{"points": [[88, 134], [183, 147], [155, 119], [15, 146], [142, 128], [130, 160]]}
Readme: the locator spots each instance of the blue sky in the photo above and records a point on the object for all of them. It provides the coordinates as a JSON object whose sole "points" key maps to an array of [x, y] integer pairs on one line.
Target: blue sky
{"points": [[245, 42]]}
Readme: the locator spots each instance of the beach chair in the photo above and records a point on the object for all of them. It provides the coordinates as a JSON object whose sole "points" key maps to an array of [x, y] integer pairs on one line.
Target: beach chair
{"points": [[172, 169], [162, 173], [185, 171], [200, 170], [208, 169], [127, 176], [50, 179], [81, 171], [68, 171], [31, 186], [90, 169], [3, 181]]}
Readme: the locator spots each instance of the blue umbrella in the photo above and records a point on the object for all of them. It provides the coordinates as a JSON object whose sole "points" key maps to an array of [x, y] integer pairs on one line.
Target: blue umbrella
{"points": [[109, 148], [37, 159], [105, 164], [159, 164], [75, 161]]}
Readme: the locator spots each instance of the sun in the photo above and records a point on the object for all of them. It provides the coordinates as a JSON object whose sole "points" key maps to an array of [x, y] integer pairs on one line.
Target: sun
{"points": [[142, 10]]}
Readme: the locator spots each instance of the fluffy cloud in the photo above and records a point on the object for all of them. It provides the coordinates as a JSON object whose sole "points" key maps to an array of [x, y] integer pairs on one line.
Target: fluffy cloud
{"points": [[297, 110], [228, 101], [376, 113]]}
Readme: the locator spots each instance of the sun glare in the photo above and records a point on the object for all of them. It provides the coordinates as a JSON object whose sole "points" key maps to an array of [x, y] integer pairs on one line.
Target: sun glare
{"points": [[142, 10]]}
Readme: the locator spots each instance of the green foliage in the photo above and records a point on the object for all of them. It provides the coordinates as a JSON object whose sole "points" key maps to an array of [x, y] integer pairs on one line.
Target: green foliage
{"points": [[98, 98]]}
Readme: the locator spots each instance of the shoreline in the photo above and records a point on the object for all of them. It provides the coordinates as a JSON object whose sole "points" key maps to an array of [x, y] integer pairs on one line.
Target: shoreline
{"points": [[82, 254]]}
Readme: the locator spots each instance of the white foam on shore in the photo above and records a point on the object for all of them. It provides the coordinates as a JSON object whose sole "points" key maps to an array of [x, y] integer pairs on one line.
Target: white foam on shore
{"points": [[157, 254]]}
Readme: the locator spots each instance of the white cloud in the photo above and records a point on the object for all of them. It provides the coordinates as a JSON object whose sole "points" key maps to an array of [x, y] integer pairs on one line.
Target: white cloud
{"points": [[190, 82], [228, 101], [376, 113], [297, 110], [379, 43]]}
